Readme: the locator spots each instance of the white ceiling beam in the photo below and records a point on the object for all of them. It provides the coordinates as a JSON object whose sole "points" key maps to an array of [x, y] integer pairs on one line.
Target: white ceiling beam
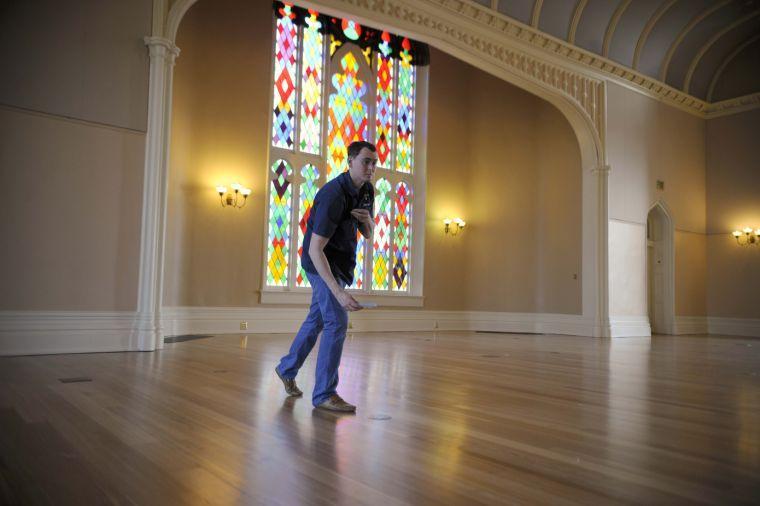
{"points": [[536, 13], [706, 47], [725, 63], [661, 10], [682, 34], [576, 19], [611, 27]]}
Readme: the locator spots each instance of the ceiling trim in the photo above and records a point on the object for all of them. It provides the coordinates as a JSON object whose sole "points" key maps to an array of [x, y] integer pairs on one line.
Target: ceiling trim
{"points": [[536, 13], [726, 61], [733, 106], [648, 29], [613, 25], [682, 34], [491, 25], [576, 19], [706, 47]]}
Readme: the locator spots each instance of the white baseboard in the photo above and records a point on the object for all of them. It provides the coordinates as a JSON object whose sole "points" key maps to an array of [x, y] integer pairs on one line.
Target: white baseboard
{"points": [[734, 326], [630, 326], [194, 320], [690, 325], [50, 332]]}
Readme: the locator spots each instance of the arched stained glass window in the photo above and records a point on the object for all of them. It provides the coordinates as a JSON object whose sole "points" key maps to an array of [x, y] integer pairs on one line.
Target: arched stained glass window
{"points": [[335, 82]]}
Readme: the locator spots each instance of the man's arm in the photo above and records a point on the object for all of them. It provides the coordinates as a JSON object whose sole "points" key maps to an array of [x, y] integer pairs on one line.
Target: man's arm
{"points": [[318, 258], [366, 223]]}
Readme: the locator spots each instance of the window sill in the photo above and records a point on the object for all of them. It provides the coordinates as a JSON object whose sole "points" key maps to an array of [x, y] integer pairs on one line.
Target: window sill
{"points": [[304, 298]]}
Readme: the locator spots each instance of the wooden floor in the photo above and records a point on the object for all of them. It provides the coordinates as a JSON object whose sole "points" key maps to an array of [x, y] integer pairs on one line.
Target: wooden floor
{"points": [[475, 419]]}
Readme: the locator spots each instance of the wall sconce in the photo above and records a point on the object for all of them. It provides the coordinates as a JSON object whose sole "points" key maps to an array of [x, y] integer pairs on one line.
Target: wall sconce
{"points": [[747, 236], [231, 199], [454, 226]]}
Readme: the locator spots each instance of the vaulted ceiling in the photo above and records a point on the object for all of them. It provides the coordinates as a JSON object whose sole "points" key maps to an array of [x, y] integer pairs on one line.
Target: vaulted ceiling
{"points": [[709, 49]]}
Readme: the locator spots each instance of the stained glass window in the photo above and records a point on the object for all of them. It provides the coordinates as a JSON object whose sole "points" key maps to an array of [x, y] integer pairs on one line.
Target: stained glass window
{"points": [[347, 117], [384, 109], [405, 125], [382, 235], [311, 85], [286, 48], [279, 224], [307, 192], [336, 82], [402, 235]]}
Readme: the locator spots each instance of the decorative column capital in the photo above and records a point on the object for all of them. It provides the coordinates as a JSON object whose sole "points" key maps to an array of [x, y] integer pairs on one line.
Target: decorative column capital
{"points": [[601, 170], [163, 48]]}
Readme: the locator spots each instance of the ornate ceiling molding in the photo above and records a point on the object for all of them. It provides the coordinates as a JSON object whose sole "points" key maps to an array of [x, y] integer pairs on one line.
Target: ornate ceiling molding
{"points": [[733, 106], [481, 31], [543, 48]]}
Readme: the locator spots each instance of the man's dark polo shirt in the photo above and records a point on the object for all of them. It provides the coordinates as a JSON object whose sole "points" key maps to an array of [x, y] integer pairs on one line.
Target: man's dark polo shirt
{"points": [[331, 217]]}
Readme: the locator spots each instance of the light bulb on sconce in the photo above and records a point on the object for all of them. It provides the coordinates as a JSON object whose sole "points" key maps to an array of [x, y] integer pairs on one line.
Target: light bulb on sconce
{"points": [[232, 199], [453, 227], [747, 236]]}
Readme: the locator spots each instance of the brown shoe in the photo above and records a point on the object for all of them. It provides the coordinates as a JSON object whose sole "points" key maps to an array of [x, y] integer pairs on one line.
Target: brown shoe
{"points": [[290, 385], [335, 403]]}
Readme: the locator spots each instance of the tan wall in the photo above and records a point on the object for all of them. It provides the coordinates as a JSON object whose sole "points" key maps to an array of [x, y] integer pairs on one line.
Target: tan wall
{"points": [[690, 266], [486, 161], [650, 141], [84, 60], [220, 132], [72, 122], [72, 197], [733, 177]]}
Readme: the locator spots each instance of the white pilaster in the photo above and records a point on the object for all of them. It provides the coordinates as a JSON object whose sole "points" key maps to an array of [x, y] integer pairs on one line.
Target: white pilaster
{"points": [[601, 202], [146, 333]]}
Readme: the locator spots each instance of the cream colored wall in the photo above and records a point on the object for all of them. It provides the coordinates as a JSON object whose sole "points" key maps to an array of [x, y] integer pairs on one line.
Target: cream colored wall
{"points": [[220, 131], [486, 161], [86, 60], [72, 142], [649, 141], [690, 278], [733, 179]]}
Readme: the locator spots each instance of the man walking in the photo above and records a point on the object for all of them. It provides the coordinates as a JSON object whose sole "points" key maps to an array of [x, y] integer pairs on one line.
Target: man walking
{"points": [[341, 207]]}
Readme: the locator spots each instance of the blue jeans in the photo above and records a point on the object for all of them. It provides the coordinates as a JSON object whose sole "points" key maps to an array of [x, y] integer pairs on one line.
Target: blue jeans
{"points": [[326, 315]]}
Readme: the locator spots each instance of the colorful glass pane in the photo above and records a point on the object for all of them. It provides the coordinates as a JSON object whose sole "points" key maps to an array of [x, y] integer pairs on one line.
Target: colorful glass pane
{"points": [[351, 29], [382, 236], [384, 103], [405, 111], [307, 192], [361, 243], [311, 85], [347, 120], [402, 235], [279, 225], [286, 49]]}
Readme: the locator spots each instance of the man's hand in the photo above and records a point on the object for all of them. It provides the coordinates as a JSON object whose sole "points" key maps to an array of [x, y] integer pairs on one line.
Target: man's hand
{"points": [[348, 302], [362, 215]]}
